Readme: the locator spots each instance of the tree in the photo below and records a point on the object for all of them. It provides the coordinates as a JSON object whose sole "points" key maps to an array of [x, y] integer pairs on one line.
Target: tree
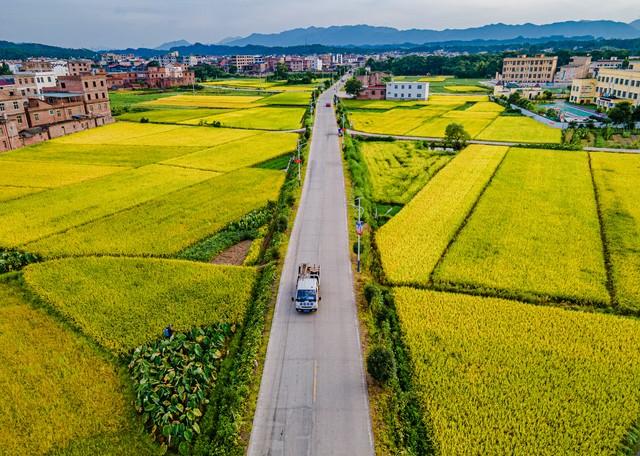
{"points": [[381, 364], [353, 87], [514, 98], [4, 69], [281, 71], [636, 114], [456, 136], [153, 64], [622, 113]]}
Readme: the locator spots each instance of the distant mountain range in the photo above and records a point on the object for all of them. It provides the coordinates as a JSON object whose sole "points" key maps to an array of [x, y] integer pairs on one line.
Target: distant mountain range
{"points": [[360, 35], [172, 44]]}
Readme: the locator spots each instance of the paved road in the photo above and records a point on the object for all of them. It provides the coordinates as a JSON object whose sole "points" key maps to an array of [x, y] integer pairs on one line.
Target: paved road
{"points": [[313, 397], [480, 141]]}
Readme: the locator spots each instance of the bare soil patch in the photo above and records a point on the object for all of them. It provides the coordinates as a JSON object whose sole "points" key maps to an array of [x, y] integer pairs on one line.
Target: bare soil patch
{"points": [[234, 255]]}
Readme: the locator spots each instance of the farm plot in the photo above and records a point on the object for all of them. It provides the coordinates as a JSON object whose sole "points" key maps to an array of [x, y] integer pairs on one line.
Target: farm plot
{"points": [[617, 177], [187, 136], [426, 119], [240, 153], [114, 133], [464, 88], [271, 118], [412, 242], [49, 174], [171, 222], [57, 391], [244, 83], [485, 106], [170, 115], [537, 217], [106, 297], [400, 169], [501, 377], [41, 214], [520, 129], [9, 192], [473, 123], [288, 98], [393, 121], [96, 154], [207, 101]]}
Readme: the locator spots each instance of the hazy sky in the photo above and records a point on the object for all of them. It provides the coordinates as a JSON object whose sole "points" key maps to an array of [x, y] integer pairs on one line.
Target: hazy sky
{"points": [[136, 23]]}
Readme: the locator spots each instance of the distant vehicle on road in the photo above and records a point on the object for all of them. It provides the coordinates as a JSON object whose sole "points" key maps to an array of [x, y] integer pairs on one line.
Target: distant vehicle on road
{"points": [[307, 288], [328, 105]]}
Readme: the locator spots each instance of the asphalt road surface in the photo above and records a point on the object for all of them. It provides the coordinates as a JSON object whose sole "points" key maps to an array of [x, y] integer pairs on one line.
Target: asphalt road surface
{"points": [[313, 397]]}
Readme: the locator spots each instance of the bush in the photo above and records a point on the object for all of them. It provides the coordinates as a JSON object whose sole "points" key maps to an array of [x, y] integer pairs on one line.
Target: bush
{"points": [[381, 364], [13, 260], [282, 223], [172, 378]]}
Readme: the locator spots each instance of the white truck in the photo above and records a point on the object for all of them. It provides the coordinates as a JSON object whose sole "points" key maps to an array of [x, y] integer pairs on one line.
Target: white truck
{"points": [[307, 288]]}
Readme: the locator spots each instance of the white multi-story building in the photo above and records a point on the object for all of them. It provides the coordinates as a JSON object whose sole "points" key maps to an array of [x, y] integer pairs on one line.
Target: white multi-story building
{"points": [[405, 90], [42, 79]]}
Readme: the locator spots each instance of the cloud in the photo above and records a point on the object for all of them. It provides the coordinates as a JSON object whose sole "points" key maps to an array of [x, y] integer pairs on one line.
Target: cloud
{"points": [[126, 23]]}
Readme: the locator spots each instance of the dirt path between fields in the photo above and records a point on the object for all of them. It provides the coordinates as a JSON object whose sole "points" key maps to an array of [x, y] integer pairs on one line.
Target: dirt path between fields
{"points": [[233, 255]]}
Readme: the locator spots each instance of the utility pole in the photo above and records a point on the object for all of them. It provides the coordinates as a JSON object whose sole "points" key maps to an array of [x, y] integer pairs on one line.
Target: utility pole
{"points": [[299, 160], [359, 229]]}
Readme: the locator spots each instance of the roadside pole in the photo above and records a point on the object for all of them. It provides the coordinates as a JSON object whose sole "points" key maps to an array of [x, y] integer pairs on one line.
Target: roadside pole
{"points": [[359, 226], [299, 160]]}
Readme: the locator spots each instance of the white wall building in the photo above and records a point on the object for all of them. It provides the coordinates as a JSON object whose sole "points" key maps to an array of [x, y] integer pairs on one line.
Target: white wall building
{"points": [[405, 90], [42, 79]]}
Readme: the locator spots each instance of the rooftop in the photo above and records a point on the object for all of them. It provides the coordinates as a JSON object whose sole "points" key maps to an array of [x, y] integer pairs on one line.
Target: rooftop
{"points": [[62, 94]]}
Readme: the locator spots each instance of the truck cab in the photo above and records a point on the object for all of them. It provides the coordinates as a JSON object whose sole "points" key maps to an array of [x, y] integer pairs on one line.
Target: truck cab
{"points": [[307, 295]]}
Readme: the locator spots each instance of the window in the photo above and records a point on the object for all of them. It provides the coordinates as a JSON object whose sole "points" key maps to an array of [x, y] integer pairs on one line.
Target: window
{"points": [[16, 105], [63, 85], [104, 95], [86, 85], [36, 116], [19, 119], [51, 112], [1, 107], [420, 87], [94, 83]]}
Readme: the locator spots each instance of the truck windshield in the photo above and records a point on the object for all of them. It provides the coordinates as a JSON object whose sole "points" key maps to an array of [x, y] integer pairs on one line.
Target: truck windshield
{"points": [[306, 295]]}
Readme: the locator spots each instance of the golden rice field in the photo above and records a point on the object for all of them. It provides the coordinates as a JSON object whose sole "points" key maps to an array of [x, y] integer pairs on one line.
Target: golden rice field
{"points": [[463, 88], [264, 118], [502, 377], [262, 84], [237, 154], [288, 99], [400, 169], [133, 190], [171, 222], [170, 115], [103, 296], [50, 174], [617, 177], [9, 192], [57, 390], [205, 101], [97, 154], [412, 242], [520, 129], [537, 217], [25, 219], [480, 118]]}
